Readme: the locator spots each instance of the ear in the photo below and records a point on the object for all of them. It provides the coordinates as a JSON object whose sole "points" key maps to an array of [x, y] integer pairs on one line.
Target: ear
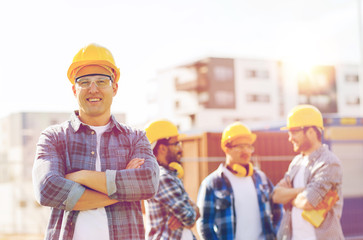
{"points": [[163, 149], [74, 90], [312, 133], [227, 150], [115, 88]]}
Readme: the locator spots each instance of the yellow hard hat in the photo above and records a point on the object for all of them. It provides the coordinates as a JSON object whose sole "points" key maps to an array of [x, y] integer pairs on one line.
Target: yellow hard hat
{"points": [[93, 54], [304, 116], [160, 129], [234, 131]]}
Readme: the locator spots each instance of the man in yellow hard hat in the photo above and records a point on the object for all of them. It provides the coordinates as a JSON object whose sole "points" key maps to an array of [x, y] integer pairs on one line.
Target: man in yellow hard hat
{"points": [[313, 183], [170, 213], [91, 170], [234, 200]]}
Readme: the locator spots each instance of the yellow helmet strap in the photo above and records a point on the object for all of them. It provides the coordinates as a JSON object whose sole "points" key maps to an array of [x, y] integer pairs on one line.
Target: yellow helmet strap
{"points": [[240, 170]]}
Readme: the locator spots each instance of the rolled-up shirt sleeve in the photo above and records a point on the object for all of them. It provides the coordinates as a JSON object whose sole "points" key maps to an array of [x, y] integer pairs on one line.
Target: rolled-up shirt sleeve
{"points": [[135, 184], [50, 187], [327, 176]]}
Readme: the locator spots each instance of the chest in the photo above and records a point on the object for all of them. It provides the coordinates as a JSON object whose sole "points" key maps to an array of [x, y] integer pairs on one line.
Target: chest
{"points": [[80, 151]]}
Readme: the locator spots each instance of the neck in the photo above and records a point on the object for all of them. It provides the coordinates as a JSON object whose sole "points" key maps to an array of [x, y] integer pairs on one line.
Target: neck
{"points": [[312, 149], [94, 120]]}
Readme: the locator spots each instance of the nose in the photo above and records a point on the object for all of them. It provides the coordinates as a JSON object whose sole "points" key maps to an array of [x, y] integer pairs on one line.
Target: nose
{"points": [[290, 137], [93, 87]]}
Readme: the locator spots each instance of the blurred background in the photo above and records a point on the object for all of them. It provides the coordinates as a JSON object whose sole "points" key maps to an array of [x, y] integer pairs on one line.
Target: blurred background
{"points": [[201, 64]]}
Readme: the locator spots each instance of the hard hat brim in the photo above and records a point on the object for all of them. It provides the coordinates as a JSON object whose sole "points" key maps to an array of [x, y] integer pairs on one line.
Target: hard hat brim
{"points": [[70, 72]]}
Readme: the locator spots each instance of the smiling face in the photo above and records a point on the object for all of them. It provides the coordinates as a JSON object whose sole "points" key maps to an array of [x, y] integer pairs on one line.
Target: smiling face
{"points": [[95, 102], [175, 151], [300, 141]]}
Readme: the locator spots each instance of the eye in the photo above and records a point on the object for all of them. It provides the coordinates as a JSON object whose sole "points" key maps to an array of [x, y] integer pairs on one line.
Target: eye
{"points": [[102, 82], [83, 83]]}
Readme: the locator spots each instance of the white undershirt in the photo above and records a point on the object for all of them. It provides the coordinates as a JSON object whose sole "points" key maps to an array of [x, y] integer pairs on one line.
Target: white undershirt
{"points": [[92, 224], [187, 234], [248, 220], [301, 229]]}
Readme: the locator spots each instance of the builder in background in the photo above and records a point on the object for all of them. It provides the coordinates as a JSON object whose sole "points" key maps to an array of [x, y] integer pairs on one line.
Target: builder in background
{"points": [[170, 213], [313, 183], [235, 200], [91, 170]]}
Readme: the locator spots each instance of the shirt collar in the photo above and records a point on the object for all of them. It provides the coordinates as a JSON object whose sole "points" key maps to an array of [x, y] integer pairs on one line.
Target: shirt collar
{"points": [[316, 154], [76, 123], [170, 171]]}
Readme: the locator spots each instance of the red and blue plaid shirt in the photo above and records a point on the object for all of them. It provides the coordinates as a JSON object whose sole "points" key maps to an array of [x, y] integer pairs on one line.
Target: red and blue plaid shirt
{"points": [[170, 200], [71, 146]]}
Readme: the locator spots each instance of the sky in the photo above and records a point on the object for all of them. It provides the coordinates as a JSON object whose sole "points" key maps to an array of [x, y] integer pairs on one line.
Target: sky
{"points": [[39, 39]]}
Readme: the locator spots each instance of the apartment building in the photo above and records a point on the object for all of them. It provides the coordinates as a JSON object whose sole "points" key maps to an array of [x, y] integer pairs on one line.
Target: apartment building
{"points": [[211, 93]]}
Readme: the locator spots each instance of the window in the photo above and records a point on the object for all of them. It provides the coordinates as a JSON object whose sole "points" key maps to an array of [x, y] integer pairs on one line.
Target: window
{"points": [[258, 98], [224, 98], [351, 78], [257, 74], [352, 100], [177, 104], [223, 74]]}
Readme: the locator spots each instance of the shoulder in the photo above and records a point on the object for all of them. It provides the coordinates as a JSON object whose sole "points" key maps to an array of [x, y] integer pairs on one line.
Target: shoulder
{"points": [[130, 134], [323, 158], [215, 180], [258, 173], [328, 156], [58, 129], [167, 177], [129, 130]]}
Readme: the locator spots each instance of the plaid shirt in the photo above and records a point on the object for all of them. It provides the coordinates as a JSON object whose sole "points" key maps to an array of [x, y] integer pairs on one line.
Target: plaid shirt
{"points": [[170, 200], [71, 146], [323, 173], [216, 204]]}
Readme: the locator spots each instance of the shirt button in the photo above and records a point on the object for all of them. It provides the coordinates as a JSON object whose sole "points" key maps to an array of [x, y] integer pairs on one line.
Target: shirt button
{"points": [[93, 152], [93, 132]]}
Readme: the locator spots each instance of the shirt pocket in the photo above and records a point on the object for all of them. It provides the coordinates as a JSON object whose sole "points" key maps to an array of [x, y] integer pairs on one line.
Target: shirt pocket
{"points": [[119, 158], [223, 200]]}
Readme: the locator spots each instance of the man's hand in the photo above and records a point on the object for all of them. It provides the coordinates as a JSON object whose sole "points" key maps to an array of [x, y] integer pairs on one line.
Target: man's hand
{"points": [[135, 163], [284, 193], [174, 223], [302, 202]]}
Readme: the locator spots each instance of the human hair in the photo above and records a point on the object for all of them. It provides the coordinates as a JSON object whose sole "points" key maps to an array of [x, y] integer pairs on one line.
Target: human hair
{"points": [[318, 131], [163, 141]]}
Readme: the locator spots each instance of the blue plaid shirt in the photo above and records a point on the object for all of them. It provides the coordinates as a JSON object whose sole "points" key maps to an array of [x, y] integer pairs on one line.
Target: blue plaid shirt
{"points": [[170, 200], [216, 204], [71, 146]]}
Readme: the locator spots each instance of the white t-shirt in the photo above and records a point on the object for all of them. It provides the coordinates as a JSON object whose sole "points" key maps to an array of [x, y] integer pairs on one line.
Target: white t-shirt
{"points": [[301, 229], [92, 224], [187, 234], [248, 220]]}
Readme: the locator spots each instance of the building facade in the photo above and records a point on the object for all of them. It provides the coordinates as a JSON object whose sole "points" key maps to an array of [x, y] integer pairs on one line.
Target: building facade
{"points": [[213, 92]]}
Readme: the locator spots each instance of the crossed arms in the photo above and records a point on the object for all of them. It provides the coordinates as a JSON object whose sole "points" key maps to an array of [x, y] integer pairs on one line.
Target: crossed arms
{"points": [[96, 195], [284, 193], [327, 176], [87, 189]]}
